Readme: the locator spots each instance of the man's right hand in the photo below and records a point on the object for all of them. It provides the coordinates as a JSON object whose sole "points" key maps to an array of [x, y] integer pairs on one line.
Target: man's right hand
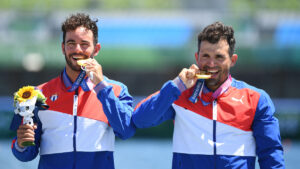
{"points": [[25, 133], [188, 76]]}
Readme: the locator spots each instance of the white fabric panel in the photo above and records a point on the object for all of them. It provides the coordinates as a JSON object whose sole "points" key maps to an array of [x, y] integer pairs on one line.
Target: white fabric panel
{"points": [[192, 133], [93, 135], [234, 141], [58, 130]]}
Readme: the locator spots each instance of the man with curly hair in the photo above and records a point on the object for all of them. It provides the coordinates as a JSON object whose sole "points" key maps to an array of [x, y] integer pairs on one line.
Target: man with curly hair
{"points": [[219, 122], [86, 109]]}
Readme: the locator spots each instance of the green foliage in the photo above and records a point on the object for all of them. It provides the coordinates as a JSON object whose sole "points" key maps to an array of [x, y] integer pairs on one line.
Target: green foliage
{"points": [[134, 4], [42, 5], [286, 5], [5, 4], [48, 5], [241, 5], [73, 4], [254, 5]]}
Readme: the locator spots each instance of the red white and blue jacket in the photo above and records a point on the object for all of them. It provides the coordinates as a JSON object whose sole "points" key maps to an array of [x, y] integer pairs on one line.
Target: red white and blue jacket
{"points": [[225, 129], [78, 130]]}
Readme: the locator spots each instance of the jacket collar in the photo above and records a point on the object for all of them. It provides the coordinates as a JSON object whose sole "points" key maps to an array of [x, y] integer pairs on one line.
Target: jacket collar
{"points": [[223, 88], [68, 83]]}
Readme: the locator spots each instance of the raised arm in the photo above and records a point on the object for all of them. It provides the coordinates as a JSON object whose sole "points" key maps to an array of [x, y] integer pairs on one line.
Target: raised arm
{"points": [[118, 110], [158, 107]]}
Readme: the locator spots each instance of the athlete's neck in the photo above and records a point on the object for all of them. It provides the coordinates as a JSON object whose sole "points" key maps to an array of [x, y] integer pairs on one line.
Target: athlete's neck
{"points": [[72, 74]]}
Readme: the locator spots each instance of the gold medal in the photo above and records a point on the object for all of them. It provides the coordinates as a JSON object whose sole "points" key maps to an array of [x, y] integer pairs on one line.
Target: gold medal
{"points": [[82, 62], [203, 75]]}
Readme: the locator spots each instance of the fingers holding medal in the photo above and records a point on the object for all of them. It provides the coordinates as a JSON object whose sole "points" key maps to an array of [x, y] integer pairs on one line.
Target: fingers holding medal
{"points": [[200, 74], [190, 76], [93, 69]]}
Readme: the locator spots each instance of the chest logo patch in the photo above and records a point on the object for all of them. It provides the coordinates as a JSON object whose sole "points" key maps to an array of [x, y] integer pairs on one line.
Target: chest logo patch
{"points": [[238, 100], [54, 97]]}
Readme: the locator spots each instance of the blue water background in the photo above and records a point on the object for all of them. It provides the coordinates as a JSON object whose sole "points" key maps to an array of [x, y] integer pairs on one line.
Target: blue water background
{"points": [[140, 154]]}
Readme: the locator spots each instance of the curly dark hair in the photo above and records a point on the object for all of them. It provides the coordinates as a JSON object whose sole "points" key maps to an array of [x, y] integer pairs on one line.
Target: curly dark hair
{"points": [[216, 31], [77, 20]]}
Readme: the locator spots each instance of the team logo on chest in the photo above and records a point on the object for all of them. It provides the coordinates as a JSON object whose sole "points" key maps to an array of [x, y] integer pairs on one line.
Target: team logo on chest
{"points": [[238, 100], [54, 97]]}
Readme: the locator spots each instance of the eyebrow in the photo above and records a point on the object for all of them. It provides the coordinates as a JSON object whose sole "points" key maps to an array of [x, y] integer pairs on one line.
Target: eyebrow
{"points": [[71, 40], [85, 41], [203, 53], [220, 55]]}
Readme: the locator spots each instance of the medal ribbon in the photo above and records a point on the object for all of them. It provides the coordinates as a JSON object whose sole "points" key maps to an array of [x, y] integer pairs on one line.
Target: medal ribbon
{"points": [[80, 81], [197, 90], [200, 86]]}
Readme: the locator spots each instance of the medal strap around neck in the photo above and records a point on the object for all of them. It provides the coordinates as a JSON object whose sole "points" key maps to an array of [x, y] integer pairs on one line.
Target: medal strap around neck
{"points": [[78, 81], [197, 90]]}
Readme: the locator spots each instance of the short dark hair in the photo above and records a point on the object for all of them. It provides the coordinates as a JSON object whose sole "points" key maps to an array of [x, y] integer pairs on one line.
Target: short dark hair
{"points": [[216, 31], [77, 20]]}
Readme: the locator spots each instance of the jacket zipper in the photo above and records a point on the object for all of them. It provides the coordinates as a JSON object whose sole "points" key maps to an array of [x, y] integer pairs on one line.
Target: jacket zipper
{"points": [[75, 106], [214, 131]]}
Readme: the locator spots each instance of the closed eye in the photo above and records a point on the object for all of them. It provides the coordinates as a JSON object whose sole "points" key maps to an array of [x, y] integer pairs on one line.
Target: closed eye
{"points": [[220, 57], [85, 45], [205, 55]]}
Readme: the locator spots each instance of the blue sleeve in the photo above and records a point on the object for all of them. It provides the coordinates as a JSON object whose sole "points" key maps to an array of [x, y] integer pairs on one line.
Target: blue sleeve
{"points": [[29, 153], [157, 108], [118, 110], [267, 135]]}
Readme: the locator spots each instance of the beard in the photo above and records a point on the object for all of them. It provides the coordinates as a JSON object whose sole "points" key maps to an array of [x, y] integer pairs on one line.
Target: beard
{"points": [[217, 82], [74, 67], [212, 82]]}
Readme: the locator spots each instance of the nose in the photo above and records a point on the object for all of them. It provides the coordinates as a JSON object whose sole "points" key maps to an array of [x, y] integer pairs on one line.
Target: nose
{"points": [[78, 48], [211, 62]]}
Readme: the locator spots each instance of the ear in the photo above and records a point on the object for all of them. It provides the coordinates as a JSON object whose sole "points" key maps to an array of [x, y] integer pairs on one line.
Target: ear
{"points": [[196, 56], [233, 58], [63, 48], [97, 49]]}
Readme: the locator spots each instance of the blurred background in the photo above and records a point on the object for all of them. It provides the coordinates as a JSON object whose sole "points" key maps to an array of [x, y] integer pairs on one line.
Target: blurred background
{"points": [[146, 43]]}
